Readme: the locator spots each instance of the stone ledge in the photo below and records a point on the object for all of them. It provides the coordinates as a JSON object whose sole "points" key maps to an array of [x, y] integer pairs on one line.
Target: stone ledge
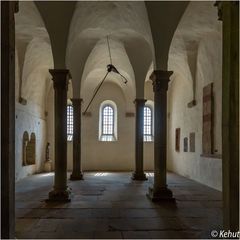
{"points": [[218, 156]]}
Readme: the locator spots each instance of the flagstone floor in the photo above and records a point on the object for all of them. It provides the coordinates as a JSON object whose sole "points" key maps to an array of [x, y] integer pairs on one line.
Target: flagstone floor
{"points": [[111, 205]]}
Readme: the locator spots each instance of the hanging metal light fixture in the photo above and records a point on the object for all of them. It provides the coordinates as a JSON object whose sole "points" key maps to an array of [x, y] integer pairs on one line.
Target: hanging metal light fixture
{"points": [[110, 68]]}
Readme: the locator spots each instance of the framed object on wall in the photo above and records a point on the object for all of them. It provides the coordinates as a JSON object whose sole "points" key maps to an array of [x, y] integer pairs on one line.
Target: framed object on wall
{"points": [[185, 144], [208, 121], [177, 139], [192, 142]]}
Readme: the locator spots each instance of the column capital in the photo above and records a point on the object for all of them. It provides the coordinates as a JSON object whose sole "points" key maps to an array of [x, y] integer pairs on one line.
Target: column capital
{"points": [[218, 4], [160, 79], [140, 101], [221, 4], [16, 6], [60, 78], [77, 101]]}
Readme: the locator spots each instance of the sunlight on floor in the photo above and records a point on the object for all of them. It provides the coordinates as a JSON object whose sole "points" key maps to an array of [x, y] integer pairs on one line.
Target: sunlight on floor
{"points": [[46, 174], [100, 174], [150, 174]]}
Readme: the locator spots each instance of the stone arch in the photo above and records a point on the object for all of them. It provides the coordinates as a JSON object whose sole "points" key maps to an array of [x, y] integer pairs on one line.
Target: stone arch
{"points": [[113, 105], [127, 35], [162, 30], [29, 149], [34, 56], [32, 150]]}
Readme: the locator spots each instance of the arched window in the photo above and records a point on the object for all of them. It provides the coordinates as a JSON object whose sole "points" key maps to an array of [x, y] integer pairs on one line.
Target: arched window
{"points": [[69, 122], [107, 131], [147, 124]]}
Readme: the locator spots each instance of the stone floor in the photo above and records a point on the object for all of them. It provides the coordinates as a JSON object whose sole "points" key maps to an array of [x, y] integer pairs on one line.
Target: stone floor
{"points": [[111, 205]]}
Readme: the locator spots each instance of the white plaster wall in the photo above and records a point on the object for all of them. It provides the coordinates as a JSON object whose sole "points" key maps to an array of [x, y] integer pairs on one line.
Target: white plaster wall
{"points": [[28, 118], [97, 155], [190, 165], [33, 59], [199, 36], [118, 155]]}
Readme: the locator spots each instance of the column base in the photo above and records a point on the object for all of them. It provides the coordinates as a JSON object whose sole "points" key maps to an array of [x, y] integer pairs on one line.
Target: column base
{"points": [[59, 196], [163, 194], [78, 176], [139, 177]]}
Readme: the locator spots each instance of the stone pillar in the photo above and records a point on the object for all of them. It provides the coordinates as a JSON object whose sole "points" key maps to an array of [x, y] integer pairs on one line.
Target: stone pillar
{"points": [[60, 84], [8, 8], [159, 191], [229, 14], [77, 170], [139, 173]]}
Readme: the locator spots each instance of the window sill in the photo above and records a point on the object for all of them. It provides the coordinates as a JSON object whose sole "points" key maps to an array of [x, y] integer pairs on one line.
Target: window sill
{"points": [[148, 138], [69, 138], [102, 141], [107, 139]]}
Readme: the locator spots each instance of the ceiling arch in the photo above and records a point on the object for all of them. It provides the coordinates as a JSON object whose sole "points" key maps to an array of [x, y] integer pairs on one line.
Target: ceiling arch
{"points": [[197, 23], [34, 53], [99, 59], [124, 22], [164, 17], [35, 76], [57, 25]]}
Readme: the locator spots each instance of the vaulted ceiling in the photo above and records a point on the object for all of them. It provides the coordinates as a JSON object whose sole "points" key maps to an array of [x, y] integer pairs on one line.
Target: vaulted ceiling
{"points": [[130, 26], [140, 34]]}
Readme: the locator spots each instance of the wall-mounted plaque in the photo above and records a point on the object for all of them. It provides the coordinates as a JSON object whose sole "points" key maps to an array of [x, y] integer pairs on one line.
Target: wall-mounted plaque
{"points": [[192, 142], [177, 139], [185, 144], [208, 113]]}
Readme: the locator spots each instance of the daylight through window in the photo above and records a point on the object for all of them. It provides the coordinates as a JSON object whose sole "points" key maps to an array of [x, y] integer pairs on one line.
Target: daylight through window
{"points": [[147, 125], [69, 122]]}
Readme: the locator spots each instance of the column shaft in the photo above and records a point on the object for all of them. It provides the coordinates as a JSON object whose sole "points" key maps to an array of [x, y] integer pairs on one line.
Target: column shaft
{"points": [[139, 173], [160, 174], [8, 8], [60, 83], [159, 191], [77, 171], [229, 14]]}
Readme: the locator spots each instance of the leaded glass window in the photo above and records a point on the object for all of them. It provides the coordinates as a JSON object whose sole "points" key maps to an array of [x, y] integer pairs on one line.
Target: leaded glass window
{"points": [[69, 122], [147, 124], [107, 123]]}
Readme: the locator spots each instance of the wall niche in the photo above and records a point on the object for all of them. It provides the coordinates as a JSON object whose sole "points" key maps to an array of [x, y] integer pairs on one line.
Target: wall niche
{"points": [[29, 149]]}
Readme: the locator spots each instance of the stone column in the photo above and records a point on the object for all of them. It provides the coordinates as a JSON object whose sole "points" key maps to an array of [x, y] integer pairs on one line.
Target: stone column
{"points": [[8, 8], [159, 191], [60, 84], [229, 14], [139, 174], [77, 170]]}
